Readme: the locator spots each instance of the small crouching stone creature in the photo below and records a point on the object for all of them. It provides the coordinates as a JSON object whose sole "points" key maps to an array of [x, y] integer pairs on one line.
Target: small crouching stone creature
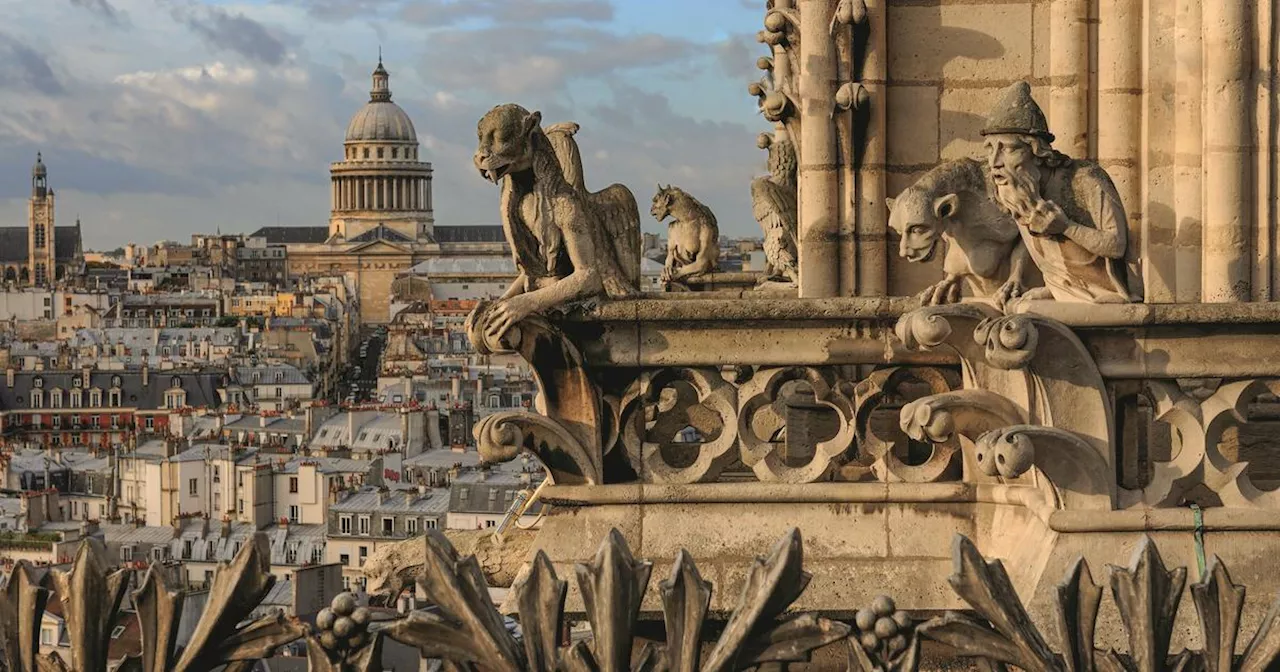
{"points": [[951, 206], [693, 238]]}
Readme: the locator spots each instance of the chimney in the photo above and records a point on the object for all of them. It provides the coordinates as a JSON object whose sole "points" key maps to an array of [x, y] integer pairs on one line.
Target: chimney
{"points": [[146, 375], [456, 388], [8, 376], [84, 376], [480, 396], [226, 527]]}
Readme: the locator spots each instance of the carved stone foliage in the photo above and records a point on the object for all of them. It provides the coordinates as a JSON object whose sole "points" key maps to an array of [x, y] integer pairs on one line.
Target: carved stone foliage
{"points": [[1032, 396], [1146, 595], [468, 631], [91, 596]]}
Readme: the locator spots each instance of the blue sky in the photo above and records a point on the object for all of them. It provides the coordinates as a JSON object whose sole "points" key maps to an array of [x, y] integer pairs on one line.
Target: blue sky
{"points": [[161, 118]]}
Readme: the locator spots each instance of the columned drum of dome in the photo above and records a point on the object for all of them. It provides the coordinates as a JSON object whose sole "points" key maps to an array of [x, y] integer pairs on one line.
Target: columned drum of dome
{"points": [[380, 180]]}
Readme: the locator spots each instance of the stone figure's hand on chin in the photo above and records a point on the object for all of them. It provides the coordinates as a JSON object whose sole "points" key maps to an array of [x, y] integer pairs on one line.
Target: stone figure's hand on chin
{"points": [[1047, 219], [507, 313]]}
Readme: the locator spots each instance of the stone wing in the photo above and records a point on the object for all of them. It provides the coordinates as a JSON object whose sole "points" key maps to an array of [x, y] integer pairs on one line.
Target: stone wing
{"points": [[614, 207], [774, 206]]}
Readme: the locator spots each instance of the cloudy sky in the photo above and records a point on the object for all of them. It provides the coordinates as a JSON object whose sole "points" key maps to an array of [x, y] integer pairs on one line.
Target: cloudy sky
{"points": [[160, 118]]}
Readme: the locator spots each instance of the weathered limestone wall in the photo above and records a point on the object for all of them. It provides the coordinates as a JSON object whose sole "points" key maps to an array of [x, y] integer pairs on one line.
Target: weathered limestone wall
{"points": [[1176, 99]]}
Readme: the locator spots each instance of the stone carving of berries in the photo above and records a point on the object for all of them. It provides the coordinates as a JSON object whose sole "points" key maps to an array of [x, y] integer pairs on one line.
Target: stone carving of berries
{"points": [[343, 625], [883, 632]]}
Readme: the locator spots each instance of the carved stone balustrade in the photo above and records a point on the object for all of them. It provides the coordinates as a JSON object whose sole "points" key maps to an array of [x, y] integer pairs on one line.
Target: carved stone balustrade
{"points": [[713, 421]]}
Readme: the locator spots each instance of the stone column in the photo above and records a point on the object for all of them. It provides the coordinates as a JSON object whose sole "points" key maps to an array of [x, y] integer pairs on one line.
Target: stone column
{"points": [[819, 180], [1265, 89], [1188, 146], [1159, 260], [1069, 75], [873, 214], [1120, 33], [1228, 60]]}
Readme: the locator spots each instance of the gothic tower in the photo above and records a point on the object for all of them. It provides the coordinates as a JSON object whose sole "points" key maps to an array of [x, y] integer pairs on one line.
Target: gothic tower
{"points": [[41, 264]]}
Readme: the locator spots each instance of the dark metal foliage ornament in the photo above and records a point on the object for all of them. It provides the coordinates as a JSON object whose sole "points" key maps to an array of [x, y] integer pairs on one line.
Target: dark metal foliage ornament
{"points": [[342, 640], [468, 631], [1146, 595]]}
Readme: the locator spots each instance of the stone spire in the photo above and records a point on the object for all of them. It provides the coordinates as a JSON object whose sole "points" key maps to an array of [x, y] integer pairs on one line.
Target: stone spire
{"points": [[39, 177]]}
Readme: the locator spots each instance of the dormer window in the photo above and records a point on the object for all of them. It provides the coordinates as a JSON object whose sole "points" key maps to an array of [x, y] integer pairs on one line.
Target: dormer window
{"points": [[113, 398], [37, 399], [176, 383], [95, 398], [55, 398], [77, 398], [279, 376], [37, 382], [76, 383], [115, 381]]}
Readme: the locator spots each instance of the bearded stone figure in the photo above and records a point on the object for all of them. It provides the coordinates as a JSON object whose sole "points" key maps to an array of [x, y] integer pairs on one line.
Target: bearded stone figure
{"points": [[1068, 211]]}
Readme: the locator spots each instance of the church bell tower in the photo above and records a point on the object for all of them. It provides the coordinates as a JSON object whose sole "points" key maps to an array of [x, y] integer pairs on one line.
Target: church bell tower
{"points": [[40, 236]]}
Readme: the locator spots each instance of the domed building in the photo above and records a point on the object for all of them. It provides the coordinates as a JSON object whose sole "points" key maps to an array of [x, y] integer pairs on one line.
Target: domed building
{"points": [[380, 182], [381, 222]]}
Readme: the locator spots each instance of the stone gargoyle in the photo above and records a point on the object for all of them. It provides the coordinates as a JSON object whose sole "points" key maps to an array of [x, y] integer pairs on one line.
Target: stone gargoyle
{"points": [[693, 238], [950, 205], [774, 204], [569, 244]]}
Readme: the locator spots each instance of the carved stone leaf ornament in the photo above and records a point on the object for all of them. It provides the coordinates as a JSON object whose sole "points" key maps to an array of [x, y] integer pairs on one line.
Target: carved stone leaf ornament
{"points": [[468, 631], [20, 612], [1146, 594]]}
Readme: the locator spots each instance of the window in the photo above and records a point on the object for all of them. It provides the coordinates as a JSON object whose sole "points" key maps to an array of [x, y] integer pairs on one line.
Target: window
{"points": [[126, 552], [217, 472], [95, 398], [240, 506], [411, 525], [35, 421], [293, 484], [95, 421], [366, 152], [379, 152], [113, 398], [344, 559], [57, 421], [344, 524], [279, 393], [150, 422], [55, 399], [364, 525], [186, 549], [388, 526], [364, 555], [157, 553], [293, 513], [430, 523], [193, 487], [291, 554], [317, 555], [490, 523], [77, 398], [46, 636], [37, 398], [75, 421], [117, 631], [346, 582]]}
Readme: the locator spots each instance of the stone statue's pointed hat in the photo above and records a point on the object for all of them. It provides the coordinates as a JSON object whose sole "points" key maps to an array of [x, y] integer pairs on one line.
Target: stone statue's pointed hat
{"points": [[1018, 113]]}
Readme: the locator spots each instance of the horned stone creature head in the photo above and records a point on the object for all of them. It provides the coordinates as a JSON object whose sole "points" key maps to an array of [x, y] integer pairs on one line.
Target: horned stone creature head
{"points": [[663, 200], [506, 141]]}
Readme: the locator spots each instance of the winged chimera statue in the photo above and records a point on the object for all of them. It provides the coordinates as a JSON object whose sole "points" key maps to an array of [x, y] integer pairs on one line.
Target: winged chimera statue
{"points": [[774, 204], [569, 244]]}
